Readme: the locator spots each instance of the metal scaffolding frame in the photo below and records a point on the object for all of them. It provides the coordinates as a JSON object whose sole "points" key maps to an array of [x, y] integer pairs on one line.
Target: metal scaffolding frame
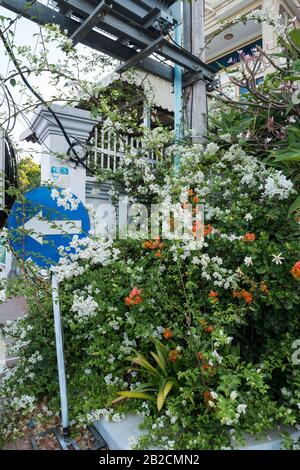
{"points": [[138, 27]]}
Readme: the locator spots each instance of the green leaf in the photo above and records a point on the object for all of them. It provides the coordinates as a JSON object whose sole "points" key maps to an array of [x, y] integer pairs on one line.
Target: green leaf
{"points": [[168, 387], [289, 108], [162, 353], [295, 36], [13, 82], [159, 362], [142, 361], [132, 394], [288, 157], [160, 400], [295, 205]]}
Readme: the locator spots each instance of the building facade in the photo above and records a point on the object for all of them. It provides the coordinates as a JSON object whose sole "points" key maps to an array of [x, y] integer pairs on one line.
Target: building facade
{"points": [[223, 47]]}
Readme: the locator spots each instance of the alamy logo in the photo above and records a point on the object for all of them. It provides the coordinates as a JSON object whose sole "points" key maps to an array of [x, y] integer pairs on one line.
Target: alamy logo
{"points": [[183, 222]]}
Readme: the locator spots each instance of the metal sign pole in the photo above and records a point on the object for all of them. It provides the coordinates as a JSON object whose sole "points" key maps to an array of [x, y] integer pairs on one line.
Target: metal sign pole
{"points": [[60, 357]]}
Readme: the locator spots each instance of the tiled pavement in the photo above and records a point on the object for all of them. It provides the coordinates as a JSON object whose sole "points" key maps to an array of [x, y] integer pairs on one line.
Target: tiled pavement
{"points": [[12, 310]]}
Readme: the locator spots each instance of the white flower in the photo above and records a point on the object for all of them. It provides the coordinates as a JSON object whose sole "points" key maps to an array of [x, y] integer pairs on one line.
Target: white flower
{"points": [[286, 392], [227, 421], [233, 395], [248, 217], [277, 259], [241, 409], [2, 295], [84, 307], [211, 404], [132, 441], [278, 185], [214, 395], [87, 371], [171, 444], [296, 94], [248, 261], [65, 199], [212, 148], [217, 357], [226, 137]]}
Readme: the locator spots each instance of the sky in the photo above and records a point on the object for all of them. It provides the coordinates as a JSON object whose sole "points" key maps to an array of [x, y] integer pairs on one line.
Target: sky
{"points": [[25, 34]]}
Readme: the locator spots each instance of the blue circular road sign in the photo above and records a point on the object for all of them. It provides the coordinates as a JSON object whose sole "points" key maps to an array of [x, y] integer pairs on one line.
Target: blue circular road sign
{"points": [[46, 219]]}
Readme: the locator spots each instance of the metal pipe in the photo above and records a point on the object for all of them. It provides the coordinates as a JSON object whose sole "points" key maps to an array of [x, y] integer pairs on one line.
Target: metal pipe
{"points": [[178, 83], [60, 356]]}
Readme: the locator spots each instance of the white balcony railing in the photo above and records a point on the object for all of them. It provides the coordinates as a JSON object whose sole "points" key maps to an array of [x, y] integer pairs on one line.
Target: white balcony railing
{"points": [[109, 148]]}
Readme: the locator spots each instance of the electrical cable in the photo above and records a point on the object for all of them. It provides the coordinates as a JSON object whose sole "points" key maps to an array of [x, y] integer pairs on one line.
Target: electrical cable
{"points": [[19, 111], [11, 179], [77, 159]]}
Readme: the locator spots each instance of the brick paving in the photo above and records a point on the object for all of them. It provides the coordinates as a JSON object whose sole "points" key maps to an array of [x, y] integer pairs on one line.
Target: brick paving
{"points": [[21, 444]]}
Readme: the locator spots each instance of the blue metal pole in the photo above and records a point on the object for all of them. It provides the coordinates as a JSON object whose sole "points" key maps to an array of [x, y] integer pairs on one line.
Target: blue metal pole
{"points": [[178, 83]]}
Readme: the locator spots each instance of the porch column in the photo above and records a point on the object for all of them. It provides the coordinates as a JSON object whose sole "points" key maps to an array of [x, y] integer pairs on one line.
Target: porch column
{"points": [[55, 166]]}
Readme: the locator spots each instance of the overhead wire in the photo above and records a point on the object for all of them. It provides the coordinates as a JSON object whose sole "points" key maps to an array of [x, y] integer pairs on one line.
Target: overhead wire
{"points": [[75, 158]]}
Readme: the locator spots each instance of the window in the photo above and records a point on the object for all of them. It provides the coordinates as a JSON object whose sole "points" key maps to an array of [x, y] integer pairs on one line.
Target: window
{"points": [[225, 61], [243, 90]]}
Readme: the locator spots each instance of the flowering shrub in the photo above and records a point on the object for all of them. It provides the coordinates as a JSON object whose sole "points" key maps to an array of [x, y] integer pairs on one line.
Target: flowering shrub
{"points": [[225, 314]]}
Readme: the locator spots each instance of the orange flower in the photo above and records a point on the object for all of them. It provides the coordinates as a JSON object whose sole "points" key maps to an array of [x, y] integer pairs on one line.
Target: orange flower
{"points": [[247, 296], [134, 297], [209, 329], [249, 237], [264, 288], [167, 333], [196, 226], [173, 355], [213, 296], [158, 254], [207, 229], [296, 271], [207, 396], [200, 356], [153, 244], [196, 199], [206, 366]]}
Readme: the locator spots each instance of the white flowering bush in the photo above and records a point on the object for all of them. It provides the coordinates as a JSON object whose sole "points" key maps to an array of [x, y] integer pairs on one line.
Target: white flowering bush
{"points": [[225, 314]]}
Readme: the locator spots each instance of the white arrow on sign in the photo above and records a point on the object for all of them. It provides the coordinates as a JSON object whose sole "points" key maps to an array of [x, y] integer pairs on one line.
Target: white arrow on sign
{"points": [[41, 228]]}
